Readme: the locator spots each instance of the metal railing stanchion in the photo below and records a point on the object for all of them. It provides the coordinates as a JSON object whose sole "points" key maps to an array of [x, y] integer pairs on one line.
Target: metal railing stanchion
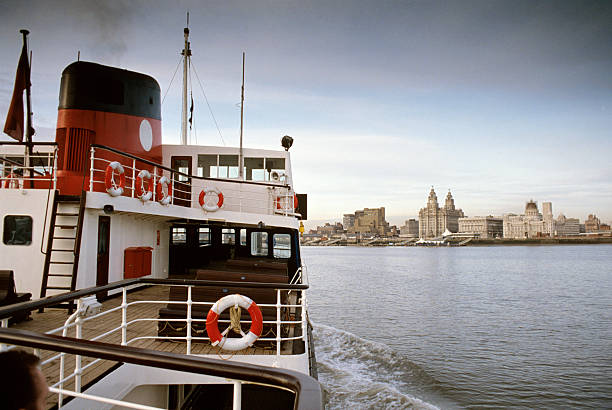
{"points": [[189, 288], [278, 322], [154, 183], [124, 317], [133, 177], [78, 360], [91, 169], [237, 402]]}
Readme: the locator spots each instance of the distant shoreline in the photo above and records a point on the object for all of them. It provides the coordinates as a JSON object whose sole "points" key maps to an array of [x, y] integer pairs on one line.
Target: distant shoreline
{"points": [[490, 242]]}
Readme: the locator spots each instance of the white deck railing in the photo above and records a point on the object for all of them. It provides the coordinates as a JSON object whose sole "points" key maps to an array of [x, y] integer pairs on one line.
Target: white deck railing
{"points": [[238, 196], [21, 170]]}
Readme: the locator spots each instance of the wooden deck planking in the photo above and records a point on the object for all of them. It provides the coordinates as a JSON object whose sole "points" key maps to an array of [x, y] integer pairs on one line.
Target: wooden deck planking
{"points": [[53, 318]]}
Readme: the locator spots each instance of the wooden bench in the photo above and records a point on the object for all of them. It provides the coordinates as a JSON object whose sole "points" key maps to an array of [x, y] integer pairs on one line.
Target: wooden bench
{"points": [[256, 265], [235, 276], [9, 295]]}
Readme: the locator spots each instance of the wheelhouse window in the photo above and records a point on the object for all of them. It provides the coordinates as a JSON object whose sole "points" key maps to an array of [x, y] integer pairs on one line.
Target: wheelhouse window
{"points": [[228, 236], [218, 166], [275, 169], [282, 245], [264, 169], [254, 169], [204, 236], [179, 235], [17, 230], [259, 243]]}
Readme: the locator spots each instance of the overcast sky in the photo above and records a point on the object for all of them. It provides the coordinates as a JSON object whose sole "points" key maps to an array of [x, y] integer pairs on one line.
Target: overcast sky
{"points": [[500, 101]]}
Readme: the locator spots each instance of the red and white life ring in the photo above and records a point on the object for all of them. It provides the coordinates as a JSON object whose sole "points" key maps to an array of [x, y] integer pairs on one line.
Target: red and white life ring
{"points": [[285, 205], [207, 206], [144, 194], [233, 344], [11, 181], [109, 181], [164, 190]]}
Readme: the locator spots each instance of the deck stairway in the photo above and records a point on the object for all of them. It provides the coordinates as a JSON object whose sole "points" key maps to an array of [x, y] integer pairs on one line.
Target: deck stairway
{"points": [[63, 246]]}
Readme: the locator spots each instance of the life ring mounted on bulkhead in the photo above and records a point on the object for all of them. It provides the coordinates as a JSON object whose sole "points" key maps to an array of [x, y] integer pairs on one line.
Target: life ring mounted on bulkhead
{"points": [[109, 181], [214, 206], [221, 339], [164, 195], [144, 194]]}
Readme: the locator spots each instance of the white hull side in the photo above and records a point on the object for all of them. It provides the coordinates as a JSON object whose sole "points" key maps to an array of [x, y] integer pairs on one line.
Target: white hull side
{"points": [[27, 261]]}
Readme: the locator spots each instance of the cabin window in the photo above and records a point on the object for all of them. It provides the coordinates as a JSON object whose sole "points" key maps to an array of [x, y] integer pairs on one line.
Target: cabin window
{"points": [[243, 237], [204, 236], [254, 169], [259, 243], [207, 166], [179, 235], [228, 166], [275, 169], [17, 230], [228, 236], [282, 245], [218, 166]]}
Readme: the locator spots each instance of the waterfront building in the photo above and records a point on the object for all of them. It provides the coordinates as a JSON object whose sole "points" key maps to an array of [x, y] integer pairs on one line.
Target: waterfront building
{"points": [[548, 227], [433, 220], [370, 221], [567, 226], [410, 229], [529, 225], [484, 227], [329, 229], [592, 223], [348, 221]]}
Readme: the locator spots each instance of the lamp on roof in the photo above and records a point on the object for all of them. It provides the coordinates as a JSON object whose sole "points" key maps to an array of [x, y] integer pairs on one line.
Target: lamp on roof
{"points": [[287, 142]]}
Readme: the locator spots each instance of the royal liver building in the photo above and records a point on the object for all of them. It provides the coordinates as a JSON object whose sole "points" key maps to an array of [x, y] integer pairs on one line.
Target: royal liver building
{"points": [[433, 220]]}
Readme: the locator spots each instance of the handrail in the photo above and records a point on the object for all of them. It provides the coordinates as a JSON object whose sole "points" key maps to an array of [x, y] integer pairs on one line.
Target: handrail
{"points": [[8, 311], [146, 161], [308, 393], [49, 143]]}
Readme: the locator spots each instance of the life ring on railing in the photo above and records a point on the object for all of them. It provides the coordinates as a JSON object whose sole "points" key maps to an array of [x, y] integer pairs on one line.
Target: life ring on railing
{"points": [[214, 207], [164, 199], [11, 181], [221, 339], [279, 199], [109, 181], [144, 194]]}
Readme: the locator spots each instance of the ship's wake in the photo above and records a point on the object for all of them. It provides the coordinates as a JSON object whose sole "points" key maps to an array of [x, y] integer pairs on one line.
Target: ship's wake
{"points": [[361, 374]]}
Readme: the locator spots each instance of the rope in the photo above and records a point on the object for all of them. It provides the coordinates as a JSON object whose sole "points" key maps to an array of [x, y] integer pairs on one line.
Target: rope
{"points": [[208, 104], [235, 319], [169, 85]]}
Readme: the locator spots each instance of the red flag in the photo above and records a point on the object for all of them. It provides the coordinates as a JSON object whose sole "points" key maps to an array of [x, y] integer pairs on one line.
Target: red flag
{"points": [[14, 119]]}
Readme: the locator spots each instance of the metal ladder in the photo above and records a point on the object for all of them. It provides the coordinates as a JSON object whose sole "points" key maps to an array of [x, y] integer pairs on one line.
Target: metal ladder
{"points": [[63, 246]]}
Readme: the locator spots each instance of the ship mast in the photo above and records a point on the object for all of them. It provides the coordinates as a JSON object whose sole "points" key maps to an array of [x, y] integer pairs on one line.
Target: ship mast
{"points": [[241, 156], [186, 53]]}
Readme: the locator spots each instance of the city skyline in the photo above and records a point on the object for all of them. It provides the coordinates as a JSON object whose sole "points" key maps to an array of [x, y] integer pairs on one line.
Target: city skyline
{"points": [[499, 101], [399, 221]]}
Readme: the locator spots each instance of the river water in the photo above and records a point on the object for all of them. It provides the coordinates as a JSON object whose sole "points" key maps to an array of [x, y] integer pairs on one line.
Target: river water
{"points": [[480, 327]]}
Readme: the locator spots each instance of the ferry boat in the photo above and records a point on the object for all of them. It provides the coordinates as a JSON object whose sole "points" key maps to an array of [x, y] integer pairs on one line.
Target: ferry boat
{"points": [[140, 256]]}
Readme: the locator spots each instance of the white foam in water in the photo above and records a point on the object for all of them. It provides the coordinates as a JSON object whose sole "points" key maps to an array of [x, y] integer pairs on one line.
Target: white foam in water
{"points": [[360, 374]]}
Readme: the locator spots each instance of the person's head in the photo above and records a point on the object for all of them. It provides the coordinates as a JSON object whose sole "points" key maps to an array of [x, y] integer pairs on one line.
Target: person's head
{"points": [[22, 384]]}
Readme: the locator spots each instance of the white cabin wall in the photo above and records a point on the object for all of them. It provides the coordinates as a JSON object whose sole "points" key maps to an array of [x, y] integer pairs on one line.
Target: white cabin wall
{"points": [[27, 261], [126, 230]]}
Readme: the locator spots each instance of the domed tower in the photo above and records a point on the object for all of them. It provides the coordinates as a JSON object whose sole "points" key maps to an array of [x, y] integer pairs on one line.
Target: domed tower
{"points": [[432, 201], [531, 209], [449, 205]]}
